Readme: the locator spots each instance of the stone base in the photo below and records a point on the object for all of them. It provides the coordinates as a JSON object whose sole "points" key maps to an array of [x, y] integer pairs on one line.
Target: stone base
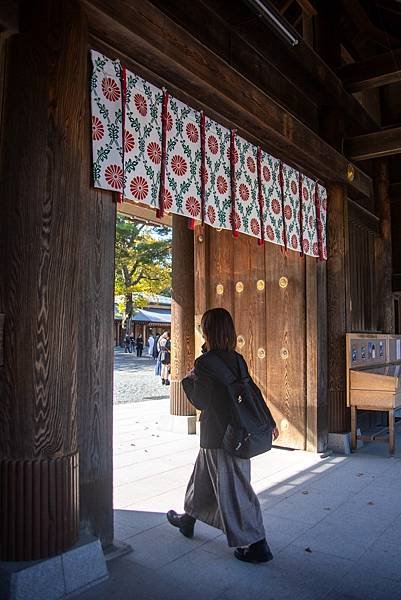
{"points": [[340, 443], [55, 578], [178, 424]]}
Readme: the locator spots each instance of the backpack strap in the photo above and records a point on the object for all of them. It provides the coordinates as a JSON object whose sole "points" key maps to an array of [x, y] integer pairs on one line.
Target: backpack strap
{"points": [[221, 371]]}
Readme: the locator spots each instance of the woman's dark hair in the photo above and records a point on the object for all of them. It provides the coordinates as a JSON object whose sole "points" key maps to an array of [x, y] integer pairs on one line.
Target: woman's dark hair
{"points": [[219, 330]]}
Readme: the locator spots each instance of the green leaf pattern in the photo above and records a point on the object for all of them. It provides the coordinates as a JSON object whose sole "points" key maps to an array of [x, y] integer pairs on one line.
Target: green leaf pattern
{"points": [[106, 123], [142, 163]]}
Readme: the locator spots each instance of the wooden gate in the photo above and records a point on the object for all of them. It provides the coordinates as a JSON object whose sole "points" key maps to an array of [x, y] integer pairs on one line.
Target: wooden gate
{"points": [[272, 296]]}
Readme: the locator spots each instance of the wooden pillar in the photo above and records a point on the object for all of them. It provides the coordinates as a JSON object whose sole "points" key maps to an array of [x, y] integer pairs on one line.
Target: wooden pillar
{"points": [[383, 249], [316, 355], [182, 315], [40, 217], [337, 311]]}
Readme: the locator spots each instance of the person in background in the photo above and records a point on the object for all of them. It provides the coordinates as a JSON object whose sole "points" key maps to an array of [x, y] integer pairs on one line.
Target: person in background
{"points": [[127, 344], [165, 357], [132, 339], [139, 345], [151, 342], [156, 348]]}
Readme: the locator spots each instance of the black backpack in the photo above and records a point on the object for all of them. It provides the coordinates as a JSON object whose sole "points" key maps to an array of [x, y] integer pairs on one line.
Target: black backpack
{"points": [[250, 430]]}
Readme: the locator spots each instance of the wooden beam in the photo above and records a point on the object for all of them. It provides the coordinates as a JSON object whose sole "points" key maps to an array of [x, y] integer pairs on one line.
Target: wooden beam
{"points": [[307, 7], [395, 191], [177, 58], [303, 67], [362, 20], [9, 15], [373, 145], [373, 72]]}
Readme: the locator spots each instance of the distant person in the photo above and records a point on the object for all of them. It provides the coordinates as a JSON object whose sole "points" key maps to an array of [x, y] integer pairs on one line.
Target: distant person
{"points": [[132, 340], [219, 491], [151, 342], [165, 357], [139, 345], [156, 348], [127, 344]]}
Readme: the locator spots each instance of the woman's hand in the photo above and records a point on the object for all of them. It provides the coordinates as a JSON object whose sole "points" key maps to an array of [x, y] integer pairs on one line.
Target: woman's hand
{"points": [[275, 433]]}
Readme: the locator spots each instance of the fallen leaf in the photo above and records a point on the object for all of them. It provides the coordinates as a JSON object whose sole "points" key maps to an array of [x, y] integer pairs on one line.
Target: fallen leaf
{"points": [[371, 503], [305, 492], [308, 550]]}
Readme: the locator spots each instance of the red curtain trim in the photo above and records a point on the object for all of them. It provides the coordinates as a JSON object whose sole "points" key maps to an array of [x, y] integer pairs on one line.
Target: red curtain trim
{"points": [[301, 220], [233, 183], [160, 210], [261, 240], [318, 224], [281, 177], [123, 75], [203, 165]]}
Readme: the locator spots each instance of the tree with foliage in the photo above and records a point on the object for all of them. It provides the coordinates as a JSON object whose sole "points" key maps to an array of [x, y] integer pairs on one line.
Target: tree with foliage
{"points": [[142, 262]]}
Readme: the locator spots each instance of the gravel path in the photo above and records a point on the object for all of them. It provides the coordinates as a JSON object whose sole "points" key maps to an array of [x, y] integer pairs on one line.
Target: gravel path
{"points": [[134, 379]]}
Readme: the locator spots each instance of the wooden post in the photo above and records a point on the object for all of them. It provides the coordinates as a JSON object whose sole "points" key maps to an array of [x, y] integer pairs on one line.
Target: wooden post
{"points": [[40, 219], [383, 250], [182, 315], [337, 311]]}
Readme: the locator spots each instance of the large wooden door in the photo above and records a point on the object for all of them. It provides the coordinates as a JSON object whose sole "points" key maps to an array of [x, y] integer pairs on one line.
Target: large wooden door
{"points": [[265, 290]]}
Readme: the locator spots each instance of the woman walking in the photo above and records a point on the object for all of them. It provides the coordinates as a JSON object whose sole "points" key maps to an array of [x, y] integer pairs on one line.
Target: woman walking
{"points": [[219, 491], [165, 357]]}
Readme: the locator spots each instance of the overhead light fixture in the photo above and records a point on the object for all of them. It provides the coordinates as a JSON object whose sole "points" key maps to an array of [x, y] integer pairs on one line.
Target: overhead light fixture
{"points": [[274, 20]]}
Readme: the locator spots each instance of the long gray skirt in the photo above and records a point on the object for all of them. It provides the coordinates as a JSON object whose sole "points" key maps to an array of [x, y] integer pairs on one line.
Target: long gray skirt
{"points": [[220, 494]]}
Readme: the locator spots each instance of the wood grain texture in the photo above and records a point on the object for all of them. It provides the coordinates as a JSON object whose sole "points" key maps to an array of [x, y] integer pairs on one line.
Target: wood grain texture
{"points": [[182, 313], [41, 185], [337, 299], [285, 326], [95, 350], [383, 248]]}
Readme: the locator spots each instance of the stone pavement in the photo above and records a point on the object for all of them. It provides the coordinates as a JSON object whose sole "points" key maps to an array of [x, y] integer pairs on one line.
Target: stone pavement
{"points": [[334, 523], [134, 378]]}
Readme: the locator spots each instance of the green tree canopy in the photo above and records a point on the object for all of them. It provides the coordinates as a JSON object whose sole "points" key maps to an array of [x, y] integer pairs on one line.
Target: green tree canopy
{"points": [[143, 262]]}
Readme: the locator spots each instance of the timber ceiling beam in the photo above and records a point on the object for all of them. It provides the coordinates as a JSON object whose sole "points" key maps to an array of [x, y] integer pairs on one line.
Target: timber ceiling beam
{"points": [[9, 15], [373, 72], [300, 65], [373, 145], [357, 13], [153, 40]]}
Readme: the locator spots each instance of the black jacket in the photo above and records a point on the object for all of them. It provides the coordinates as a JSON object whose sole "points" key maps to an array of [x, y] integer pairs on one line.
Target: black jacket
{"points": [[210, 396]]}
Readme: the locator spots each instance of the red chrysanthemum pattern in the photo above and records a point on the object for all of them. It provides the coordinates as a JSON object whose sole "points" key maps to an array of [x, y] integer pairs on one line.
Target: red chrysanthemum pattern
{"points": [[110, 89], [306, 246], [311, 222], [266, 173], [114, 176], [167, 199], [250, 163], [97, 129], [244, 192], [222, 185], [288, 212], [179, 165], [294, 241], [211, 214], [269, 232], [193, 206], [129, 141], [305, 194], [213, 144], [154, 152], [235, 219], [139, 188], [141, 104], [169, 121], [294, 188], [192, 133], [276, 206], [315, 249], [255, 227]]}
